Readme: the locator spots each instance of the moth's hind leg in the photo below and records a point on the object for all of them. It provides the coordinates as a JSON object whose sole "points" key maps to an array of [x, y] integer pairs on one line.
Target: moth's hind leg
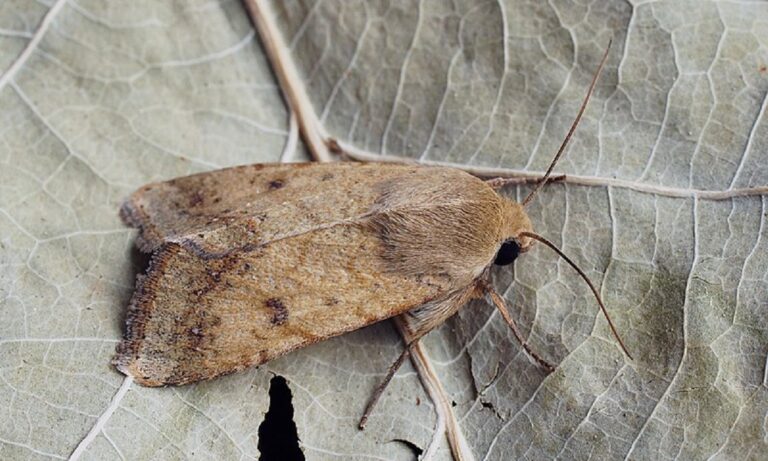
{"points": [[417, 323], [384, 383]]}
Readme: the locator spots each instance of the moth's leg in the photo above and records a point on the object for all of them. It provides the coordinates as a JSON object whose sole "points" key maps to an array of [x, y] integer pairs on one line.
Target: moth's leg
{"points": [[418, 322], [498, 183], [499, 303], [384, 383]]}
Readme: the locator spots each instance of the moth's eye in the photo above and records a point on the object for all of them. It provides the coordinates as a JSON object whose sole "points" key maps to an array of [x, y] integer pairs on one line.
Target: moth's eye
{"points": [[507, 253]]}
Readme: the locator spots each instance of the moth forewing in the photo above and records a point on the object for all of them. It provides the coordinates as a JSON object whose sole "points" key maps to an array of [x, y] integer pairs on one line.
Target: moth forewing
{"points": [[249, 263]]}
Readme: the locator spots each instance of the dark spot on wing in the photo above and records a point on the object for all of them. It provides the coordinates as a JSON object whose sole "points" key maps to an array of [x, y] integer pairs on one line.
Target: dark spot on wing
{"points": [[195, 200], [214, 275], [331, 301], [279, 310], [276, 184]]}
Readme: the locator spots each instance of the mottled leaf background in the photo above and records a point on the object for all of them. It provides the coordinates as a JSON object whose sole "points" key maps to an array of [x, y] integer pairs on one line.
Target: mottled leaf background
{"points": [[116, 94]]}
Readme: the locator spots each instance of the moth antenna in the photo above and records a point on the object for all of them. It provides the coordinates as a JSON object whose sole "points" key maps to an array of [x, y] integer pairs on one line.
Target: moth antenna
{"points": [[586, 279], [574, 125], [498, 301]]}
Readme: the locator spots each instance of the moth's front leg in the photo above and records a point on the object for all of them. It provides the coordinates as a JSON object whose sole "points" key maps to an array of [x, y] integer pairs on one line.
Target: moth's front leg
{"points": [[498, 301]]}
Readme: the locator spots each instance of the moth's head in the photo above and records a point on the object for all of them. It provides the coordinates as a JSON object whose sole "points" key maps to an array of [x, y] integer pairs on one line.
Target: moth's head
{"points": [[512, 242]]}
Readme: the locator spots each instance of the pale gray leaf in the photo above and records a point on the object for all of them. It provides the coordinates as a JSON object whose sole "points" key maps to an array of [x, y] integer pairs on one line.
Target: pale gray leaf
{"points": [[112, 95]]}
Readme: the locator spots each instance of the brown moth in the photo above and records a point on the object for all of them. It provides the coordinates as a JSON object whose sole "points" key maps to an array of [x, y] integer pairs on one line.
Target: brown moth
{"points": [[252, 262]]}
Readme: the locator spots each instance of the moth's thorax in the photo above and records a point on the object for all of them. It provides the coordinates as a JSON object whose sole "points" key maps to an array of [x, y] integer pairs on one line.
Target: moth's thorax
{"points": [[516, 221]]}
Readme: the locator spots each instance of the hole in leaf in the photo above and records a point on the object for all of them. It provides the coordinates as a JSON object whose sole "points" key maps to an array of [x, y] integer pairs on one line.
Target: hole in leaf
{"points": [[278, 438], [415, 449]]}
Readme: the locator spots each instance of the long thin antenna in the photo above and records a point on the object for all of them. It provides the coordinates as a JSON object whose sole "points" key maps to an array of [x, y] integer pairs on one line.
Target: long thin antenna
{"points": [[573, 126], [586, 279]]}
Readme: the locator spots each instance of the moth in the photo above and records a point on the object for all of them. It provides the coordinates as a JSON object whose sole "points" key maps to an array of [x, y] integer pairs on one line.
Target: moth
{"points": [[252, 262]]}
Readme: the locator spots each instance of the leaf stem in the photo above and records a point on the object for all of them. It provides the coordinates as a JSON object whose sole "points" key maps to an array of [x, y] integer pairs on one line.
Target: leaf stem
{"points": [[446, 419], [581, 180], [288, 77], [19, 62]]}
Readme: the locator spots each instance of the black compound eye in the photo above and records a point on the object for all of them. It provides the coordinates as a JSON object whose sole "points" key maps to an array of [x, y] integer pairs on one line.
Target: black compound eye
{"points": [[507, 253]]}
